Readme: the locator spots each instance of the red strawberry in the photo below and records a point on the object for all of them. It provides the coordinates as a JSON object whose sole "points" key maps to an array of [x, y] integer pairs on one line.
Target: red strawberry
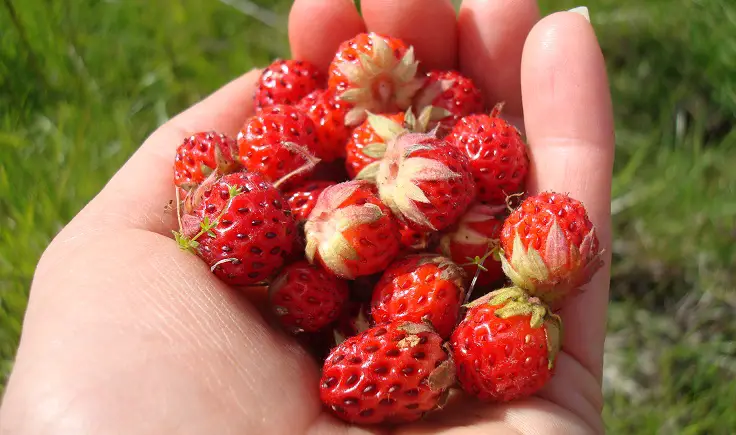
{"points": [[550, 247], [328, 115], [370, 140], [476, 234], [420, 288], [279, 142], [451, 95], [306, 298], [506, 347], [351, 232], [425, 181], [200, 154], [303, 198], [413, 240], [243, 228], [392, 373], [287, 82], [497, 155], [374, 73]]}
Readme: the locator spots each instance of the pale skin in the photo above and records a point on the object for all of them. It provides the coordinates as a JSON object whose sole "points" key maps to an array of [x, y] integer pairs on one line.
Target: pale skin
{"points": [[127, 334]]}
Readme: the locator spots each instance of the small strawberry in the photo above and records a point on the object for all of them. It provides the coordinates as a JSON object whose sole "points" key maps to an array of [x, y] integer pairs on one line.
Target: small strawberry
{"points": [[550, 247], [351, 232], [413, 240], [392, 373], [306, 298], [328, 115], [370, 140], [373, 73], [303, 198], [451, 96], [425, 181], [287, 82], [506, 347], [242, 228], [497, 154], [202, 153], [476, 235], [420, 288], [279, 143]]}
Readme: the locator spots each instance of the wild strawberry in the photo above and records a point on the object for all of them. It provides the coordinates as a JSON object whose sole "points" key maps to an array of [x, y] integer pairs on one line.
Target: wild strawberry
{"points": [[476, 235], [242, 228], [425, 181], [370, 139], [303, 198], [328, 115], [420, 288], [506, 347], [392, 373], [287, 82], [351, 232], [200, 154], [306, 298], [279, 143], [451, 96], [373, 73], [497, 154], [413, 240], [550, 247]]}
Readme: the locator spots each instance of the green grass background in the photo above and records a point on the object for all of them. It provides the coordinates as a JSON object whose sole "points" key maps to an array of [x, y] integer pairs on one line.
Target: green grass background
{"points": [[84, 82]]}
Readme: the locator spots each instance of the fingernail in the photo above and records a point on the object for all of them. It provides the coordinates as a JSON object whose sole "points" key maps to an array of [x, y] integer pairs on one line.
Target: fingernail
{"points": [[582, 10]]}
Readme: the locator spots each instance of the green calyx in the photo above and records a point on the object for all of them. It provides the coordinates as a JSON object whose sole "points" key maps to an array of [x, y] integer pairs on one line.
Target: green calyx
{"points": [[206, 226], [514, 301]]}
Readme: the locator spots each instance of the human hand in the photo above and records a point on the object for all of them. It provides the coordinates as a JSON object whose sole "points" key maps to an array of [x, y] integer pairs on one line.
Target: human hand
{"points": [[125, 333]]}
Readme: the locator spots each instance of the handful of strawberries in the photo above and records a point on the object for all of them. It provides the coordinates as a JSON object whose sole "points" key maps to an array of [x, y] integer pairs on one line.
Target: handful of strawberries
{"points": [[375, 204]]}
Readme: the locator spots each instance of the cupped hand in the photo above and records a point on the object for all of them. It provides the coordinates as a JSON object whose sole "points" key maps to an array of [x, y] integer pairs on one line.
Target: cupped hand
{"points": [[127, 334]]}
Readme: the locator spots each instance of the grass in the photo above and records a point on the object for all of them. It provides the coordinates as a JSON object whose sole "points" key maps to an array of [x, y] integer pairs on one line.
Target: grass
{"points": [[84, 82]]}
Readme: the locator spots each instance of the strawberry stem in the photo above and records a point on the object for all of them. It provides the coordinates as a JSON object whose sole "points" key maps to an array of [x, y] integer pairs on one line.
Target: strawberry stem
{"points": [[478, 262], [178, 209], [309, 165]]}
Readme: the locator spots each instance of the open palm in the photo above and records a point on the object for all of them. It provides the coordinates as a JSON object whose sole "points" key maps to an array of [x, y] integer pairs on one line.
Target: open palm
{"points": [[127, 334]]}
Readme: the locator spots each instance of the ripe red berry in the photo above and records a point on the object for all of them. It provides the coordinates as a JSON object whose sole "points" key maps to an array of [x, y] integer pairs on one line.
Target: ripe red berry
{"points": [[420, 288], [287, 82], [328, 115], [392, 373], [451, 95], [306, 298], [425, 181], [244, 228], [369, 140], [550, 247], [506, 347], [373, 73], [202, 153], [350, 232], [476, 235], [497, 155], [277, 142], [303, 198]]}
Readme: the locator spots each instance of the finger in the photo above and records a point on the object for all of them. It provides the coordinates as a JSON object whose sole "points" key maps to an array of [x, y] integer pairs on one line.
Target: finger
{"points": [[569, 124], [137, 195], [429, 25], [317, 27], [492, 35]]}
